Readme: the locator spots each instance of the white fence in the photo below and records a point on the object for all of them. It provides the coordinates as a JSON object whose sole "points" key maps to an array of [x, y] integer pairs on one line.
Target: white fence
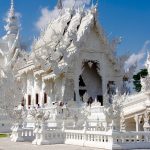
{"points": [[89, 138], [27, 134], [85, 137]]}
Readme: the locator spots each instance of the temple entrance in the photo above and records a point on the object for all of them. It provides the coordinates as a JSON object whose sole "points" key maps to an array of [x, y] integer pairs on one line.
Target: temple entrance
{"points": [[90, 82]]}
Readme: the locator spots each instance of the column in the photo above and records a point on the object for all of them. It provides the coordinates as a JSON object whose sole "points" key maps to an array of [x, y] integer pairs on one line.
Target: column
{"points": [[146, 125], [42, 93], [77, 73], [24, 89], [76, 88], [24, 82], [30, 86], [104, 75], [137, 121], [37, 89], [49, 92]]}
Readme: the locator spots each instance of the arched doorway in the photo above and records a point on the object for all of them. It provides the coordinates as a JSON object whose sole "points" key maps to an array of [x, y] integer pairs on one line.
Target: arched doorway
{"points": [[90, 81]]}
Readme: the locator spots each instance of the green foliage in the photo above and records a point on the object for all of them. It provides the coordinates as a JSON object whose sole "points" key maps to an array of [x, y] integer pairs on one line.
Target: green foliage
{"points": [[3, 135], [137, 83]]}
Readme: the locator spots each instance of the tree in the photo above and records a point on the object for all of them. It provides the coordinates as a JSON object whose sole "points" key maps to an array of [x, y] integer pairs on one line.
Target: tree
{"points": [[137, 79]]}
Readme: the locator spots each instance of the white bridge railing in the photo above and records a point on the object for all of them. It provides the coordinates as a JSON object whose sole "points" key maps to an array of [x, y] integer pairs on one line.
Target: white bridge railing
{"points": [[86, 137], [109, 140], [28, 134]]}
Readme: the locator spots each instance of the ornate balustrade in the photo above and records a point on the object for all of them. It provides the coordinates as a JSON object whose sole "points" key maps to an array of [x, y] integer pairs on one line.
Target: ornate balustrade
{"points": [[108, 140], [131, 140], [28, 134], [88, 136], [20, 134], [97, 139]]}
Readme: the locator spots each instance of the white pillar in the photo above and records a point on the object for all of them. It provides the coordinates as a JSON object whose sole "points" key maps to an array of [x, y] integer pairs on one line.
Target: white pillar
{"points": [[42, 93], [49, 92], [76, 88], [137, 121], [30, 86], [104, 74], [77, 72], [37, 88]]}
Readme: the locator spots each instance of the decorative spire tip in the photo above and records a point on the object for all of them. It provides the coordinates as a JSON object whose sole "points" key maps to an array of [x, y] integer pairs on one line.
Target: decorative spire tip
{"points": [[59, 4], [12, 3]]}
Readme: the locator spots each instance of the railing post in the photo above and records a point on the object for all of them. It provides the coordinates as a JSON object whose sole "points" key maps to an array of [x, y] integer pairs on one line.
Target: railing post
{"points": [[36, 132], [63, 131], [84, 132], [17, 133], [42, 133]]}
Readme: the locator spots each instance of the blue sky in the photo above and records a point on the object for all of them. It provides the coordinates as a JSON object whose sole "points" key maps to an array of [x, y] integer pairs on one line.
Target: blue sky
{"points": [[127, 18]]}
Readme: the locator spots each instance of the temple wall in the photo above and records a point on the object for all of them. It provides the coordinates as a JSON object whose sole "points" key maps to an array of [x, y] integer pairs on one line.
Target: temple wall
{"points": [[30, 88], [93, 81], [94, 49]]}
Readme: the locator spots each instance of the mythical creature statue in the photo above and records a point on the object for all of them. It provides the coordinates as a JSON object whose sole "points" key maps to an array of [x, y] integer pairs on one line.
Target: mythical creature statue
{"points": [[145, 82], [147, 64], [39, 115], [113, 111], [18, 115]]}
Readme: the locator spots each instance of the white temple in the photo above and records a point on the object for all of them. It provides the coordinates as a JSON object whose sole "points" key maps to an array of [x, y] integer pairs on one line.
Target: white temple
{"points": [[75, 88]]}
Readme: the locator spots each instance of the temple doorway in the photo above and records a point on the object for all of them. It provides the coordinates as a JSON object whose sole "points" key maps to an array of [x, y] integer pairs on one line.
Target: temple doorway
{"points": [[90, 82]]}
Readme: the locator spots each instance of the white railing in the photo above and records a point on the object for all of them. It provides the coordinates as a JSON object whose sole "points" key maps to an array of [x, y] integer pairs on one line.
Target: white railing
{"points": [[27, 134], [108, 140], [55, 136], [20, 134], [87, 136], [131, 140], [97, 139]]}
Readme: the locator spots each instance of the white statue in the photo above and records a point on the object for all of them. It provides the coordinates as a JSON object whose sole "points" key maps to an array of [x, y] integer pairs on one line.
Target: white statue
{"points": [[147, 64]]}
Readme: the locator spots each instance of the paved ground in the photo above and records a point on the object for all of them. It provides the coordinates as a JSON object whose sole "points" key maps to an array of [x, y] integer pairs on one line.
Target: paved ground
{"points": [[6, 144]]}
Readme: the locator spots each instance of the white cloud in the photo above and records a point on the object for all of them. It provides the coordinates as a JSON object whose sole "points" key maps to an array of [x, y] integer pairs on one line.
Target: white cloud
{"points": [[138, 58], [49, 15], [18, 15], [46, 16], [75, 3]]}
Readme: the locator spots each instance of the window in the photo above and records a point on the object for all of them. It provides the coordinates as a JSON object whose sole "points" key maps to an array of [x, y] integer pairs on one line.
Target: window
{"points": [[23, 102], [37, 99], [29, 99], [45, 98]]}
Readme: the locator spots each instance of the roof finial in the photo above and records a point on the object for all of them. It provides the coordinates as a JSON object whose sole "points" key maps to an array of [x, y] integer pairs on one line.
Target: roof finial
{"points": [[12, 4], [96, 3], [59, 4], [12, 11], [92, 3]]}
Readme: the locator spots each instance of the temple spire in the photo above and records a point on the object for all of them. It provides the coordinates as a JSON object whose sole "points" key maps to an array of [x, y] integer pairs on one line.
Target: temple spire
{"points": [[59, 4], [12, 3], [12, 10], [92, 4], [12, 25]]}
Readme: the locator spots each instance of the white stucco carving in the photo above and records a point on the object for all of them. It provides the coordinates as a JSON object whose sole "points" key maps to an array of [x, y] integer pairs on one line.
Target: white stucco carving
{"points": [[74, 89]]}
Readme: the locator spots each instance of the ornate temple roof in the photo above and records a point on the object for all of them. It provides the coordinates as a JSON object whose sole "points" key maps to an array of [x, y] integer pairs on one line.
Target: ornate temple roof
{"points": [[65, 35], [69, 23]]}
